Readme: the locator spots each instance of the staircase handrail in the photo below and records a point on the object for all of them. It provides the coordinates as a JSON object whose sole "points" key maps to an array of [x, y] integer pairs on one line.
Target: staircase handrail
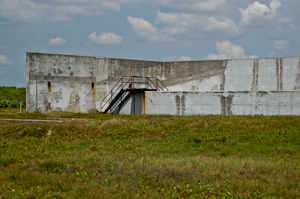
{"points": [[111, 93], [112, 89], [153, 83], [162, 85]]}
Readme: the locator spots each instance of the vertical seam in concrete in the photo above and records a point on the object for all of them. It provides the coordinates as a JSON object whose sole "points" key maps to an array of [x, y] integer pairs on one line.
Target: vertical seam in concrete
{"points": [[223, 105], [278, 74], [222, 86], [256, 101], [223, 82], [144, 102], [255, 76], [297, 84], [291, 104], [228, 104], [182, 104], [177, 101], [257, 73], [281, 74]]}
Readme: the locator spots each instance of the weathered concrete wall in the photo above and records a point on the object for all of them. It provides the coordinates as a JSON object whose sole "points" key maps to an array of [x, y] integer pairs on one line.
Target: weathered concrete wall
{"points": [[222, 103], [64, 82], [71, 78], [172, 73], [268, 74]]}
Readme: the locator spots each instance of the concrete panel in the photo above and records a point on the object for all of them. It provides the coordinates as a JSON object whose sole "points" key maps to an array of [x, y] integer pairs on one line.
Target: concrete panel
{"points": [[101, 70], [157, 104], [267, 79], [200, 103], [291, 73], [239, 75]]}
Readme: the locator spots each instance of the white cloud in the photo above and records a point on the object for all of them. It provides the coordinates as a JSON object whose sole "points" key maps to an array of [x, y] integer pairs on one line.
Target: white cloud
{"points": [[180, 23], [196, 25], [223, 24], [4, 60], [281, 44], [185, 58], [171, 26], [227, 50], [32, 10], [57, 41], [21, 9], [196, 5], [177, 18], [147, 31], [105, 38], [258, 14]]}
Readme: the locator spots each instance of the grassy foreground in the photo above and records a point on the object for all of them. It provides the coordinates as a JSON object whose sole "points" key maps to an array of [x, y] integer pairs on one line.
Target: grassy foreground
{"points": [[112, 156]]}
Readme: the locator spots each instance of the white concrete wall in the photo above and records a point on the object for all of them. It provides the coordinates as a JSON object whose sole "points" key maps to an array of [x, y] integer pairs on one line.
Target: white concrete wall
{"points": [[222, 103], [71, 79], [267, 74]]}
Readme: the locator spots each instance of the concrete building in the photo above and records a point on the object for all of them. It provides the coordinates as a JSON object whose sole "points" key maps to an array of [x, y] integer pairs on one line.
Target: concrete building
{"points": [[268, 86]]}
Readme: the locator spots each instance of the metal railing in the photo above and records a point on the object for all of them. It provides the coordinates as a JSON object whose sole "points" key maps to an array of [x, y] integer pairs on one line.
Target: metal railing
{"points": [[132, 83]]}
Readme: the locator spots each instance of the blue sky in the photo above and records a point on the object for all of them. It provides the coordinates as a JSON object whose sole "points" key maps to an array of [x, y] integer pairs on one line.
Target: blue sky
{"points": [[160, 30]]}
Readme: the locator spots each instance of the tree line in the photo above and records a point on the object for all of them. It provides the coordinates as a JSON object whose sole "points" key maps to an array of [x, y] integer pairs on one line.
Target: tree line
{"points": [[10, 96]]}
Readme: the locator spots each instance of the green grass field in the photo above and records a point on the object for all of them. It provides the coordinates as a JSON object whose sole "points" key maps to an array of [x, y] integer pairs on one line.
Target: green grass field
{"points": [[137, 156]]}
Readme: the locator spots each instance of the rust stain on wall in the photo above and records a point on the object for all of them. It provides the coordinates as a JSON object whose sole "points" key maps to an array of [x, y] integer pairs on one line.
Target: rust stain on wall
{"points": [[93, 93], [49, 89]]}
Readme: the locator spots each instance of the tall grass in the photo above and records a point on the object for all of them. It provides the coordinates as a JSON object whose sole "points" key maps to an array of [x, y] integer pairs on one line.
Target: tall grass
{"points": [[112, 156]]}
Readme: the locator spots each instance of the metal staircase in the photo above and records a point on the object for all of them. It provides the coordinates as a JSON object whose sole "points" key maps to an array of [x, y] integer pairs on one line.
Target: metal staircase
{"points": [[125, 88]]}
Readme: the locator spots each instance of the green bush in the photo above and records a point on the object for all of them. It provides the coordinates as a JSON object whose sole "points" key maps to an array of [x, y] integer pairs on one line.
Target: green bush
{"points": [[10, 97], [12, 93]]}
